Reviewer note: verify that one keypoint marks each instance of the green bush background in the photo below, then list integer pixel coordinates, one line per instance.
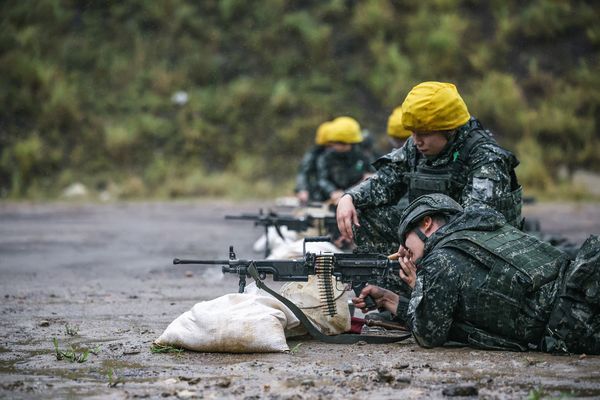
(86, 87)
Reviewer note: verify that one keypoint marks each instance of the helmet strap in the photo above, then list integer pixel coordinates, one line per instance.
(421, 235)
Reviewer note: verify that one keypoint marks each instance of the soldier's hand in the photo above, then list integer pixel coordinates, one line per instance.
(335, 196)
(402, 252)
(384, 299)
(302, 196)
(346, 216)
(408, 269)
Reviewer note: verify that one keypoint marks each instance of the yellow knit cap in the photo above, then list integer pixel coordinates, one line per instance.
(434, 106)
(394, 126)
(345, 130)
(321, 138)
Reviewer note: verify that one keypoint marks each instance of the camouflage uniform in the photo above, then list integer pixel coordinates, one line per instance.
(484, 283)
(306, 179)
(472, 168)
(340, 171)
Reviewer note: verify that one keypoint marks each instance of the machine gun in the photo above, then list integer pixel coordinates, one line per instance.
(325, 225)
(355, 269)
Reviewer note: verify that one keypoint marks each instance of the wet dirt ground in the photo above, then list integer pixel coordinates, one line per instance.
(100, 277)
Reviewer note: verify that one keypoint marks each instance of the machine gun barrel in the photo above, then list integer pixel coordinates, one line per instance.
(200, 262)
(356, 269)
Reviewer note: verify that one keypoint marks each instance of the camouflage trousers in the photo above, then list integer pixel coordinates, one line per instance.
(574, 325)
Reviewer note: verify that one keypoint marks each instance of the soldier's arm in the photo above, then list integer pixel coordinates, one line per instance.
(323, 180)
(307, 163)
(434, 299)
(385, 186)
(489, 179)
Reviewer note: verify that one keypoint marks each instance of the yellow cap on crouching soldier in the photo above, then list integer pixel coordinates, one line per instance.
(345, 130)
(394, 126)
(434, 106)
(322, 136)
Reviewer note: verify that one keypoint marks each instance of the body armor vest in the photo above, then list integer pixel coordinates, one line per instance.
(517, 265)
(450, 179)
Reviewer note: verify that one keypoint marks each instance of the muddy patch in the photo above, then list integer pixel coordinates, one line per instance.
(100, 277)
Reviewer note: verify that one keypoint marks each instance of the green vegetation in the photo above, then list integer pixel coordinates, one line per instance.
(165, 348)
(296, 348)
(88, 89)
(113, 379)
(73, 354)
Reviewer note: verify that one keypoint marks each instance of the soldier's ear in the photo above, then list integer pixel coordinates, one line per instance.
(427, 225)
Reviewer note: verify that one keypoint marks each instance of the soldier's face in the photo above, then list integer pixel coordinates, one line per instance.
(415, 245)
(341, 147)
(430, 143)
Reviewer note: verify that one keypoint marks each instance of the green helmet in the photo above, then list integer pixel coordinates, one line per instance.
(428, 204)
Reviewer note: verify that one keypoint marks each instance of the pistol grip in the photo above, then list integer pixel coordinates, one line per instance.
(370, 303)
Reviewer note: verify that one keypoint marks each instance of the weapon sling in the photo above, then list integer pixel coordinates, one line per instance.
(346, 338)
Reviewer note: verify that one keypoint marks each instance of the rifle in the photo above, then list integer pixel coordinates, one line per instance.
(354, 269)
(324, 224)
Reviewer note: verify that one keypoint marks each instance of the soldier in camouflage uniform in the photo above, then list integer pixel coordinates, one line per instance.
(307, 188)
(398, 136)
(479, 281)
(344, 164)
(449, 152)
(396, 132)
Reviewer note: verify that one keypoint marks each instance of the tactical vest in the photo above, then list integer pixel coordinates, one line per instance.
(451, 178)
(346, 169)
(517, 265)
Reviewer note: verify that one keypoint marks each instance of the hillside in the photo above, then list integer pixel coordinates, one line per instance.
(193, 98)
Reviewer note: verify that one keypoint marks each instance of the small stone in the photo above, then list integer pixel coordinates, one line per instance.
(131, 350)
(189, 274)
(347, 369)
(44, 323)
(185, 394)
(224, 383)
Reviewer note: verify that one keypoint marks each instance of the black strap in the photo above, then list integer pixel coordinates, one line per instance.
(345, 338)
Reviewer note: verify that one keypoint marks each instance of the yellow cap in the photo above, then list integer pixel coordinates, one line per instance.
(434, 106)
(394, 126)
(345, 130)
(321, 138)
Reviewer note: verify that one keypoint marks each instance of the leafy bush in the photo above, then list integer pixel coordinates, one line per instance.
(87, 88)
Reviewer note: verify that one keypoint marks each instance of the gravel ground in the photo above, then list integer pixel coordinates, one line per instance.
(99, 277)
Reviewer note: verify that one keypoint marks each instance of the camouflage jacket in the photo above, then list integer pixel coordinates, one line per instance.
(472, 168)
(484, 283)
(306, 178)
(340, 171)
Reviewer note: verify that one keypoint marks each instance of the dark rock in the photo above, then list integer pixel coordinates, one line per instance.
(460, 390)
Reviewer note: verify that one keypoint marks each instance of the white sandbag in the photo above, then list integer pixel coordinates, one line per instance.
(274, 238)
(234, 323)
(306, 295)
(293, 249)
